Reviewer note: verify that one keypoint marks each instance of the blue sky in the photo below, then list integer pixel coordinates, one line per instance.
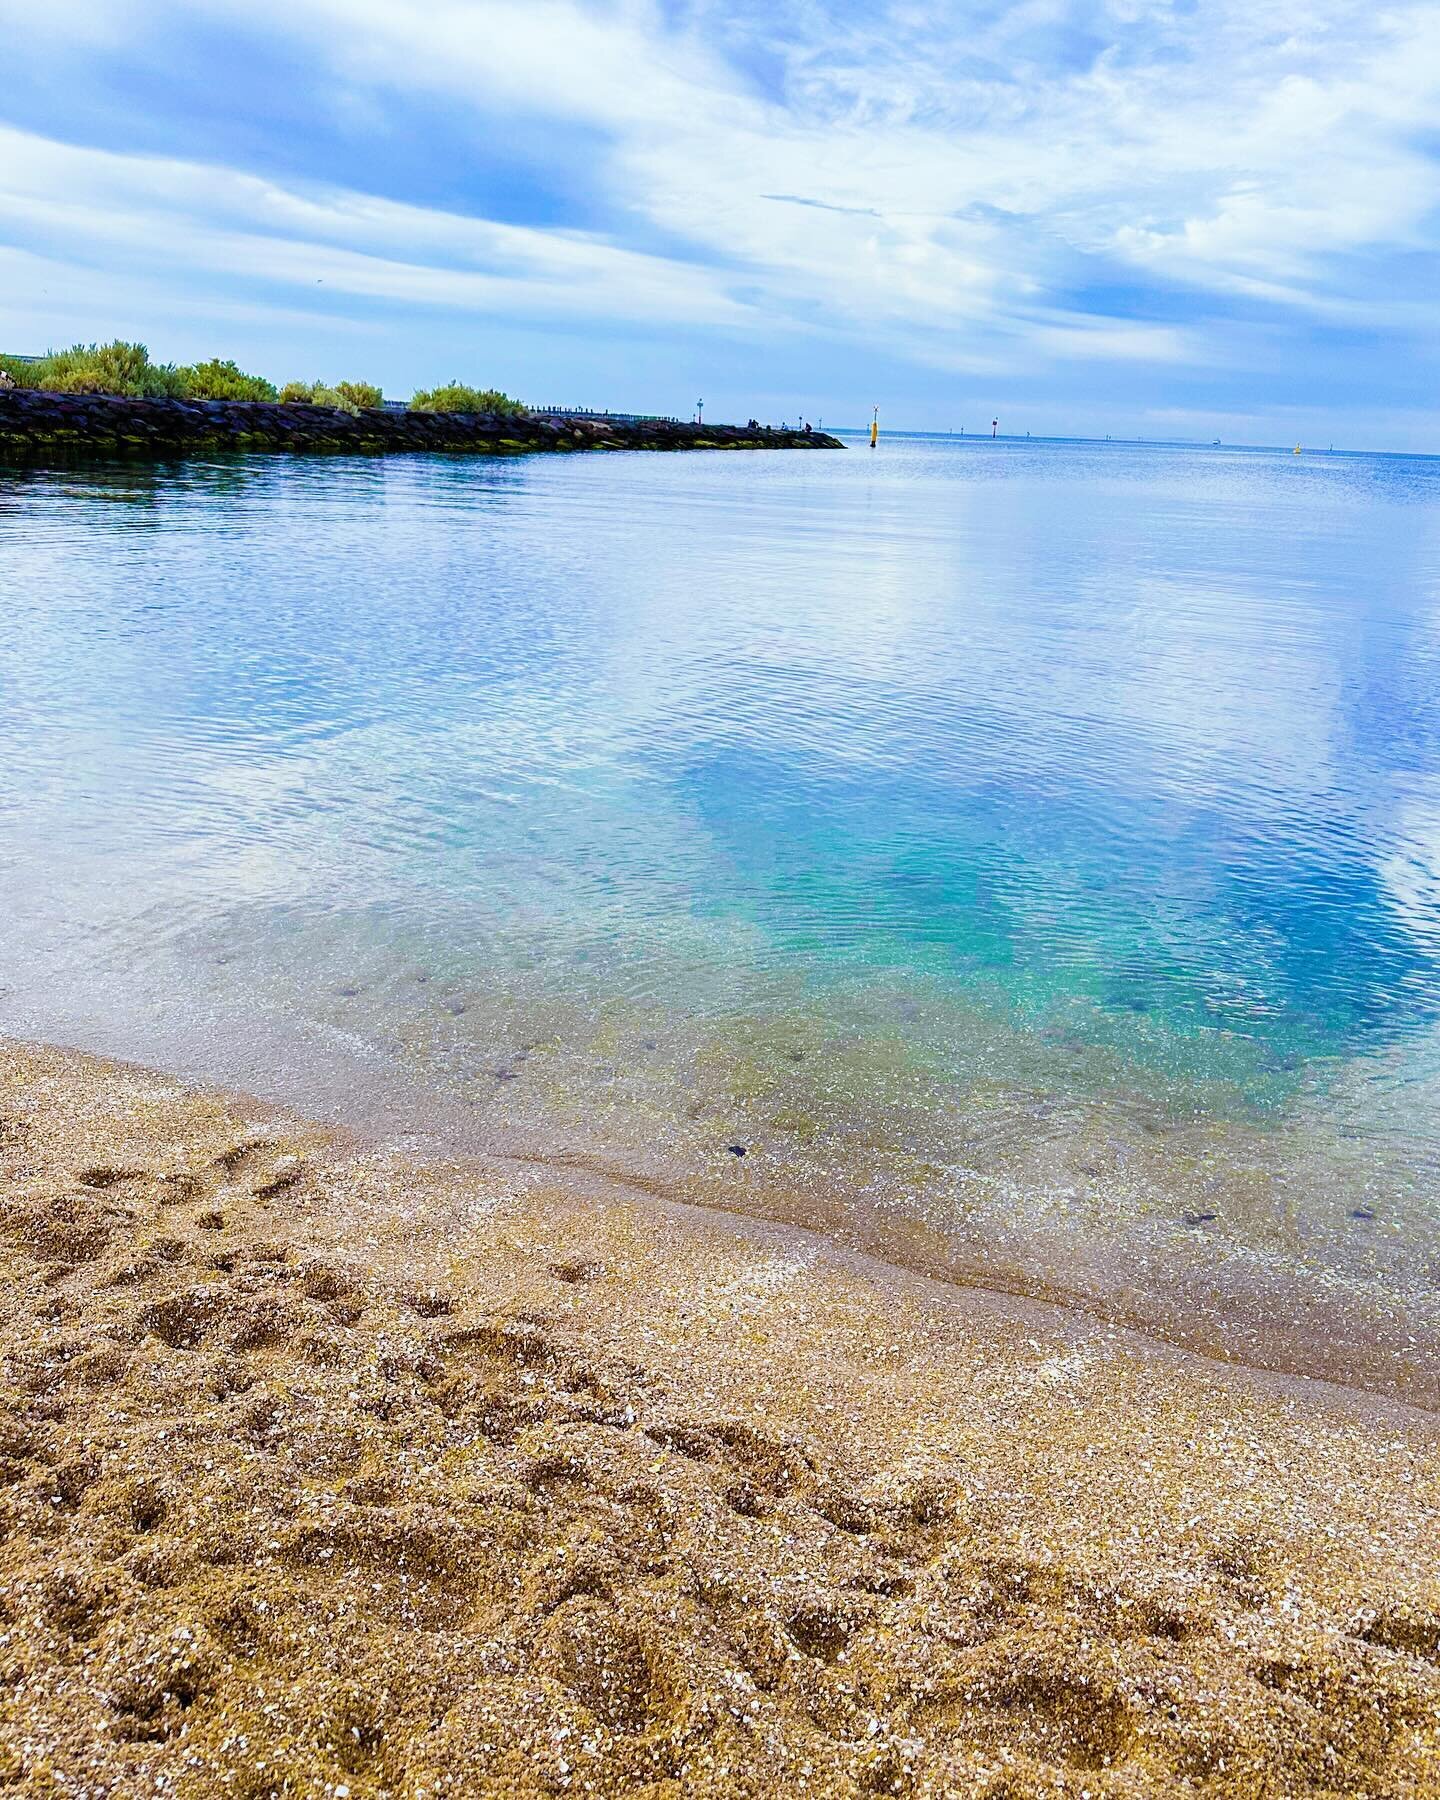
(1195, 218)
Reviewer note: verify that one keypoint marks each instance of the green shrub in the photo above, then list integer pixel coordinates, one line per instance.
(358, 396)
(117, 368)
(217, 380)
(455, 396)
(348, 396)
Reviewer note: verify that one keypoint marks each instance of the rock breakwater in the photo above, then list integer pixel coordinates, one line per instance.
(46, 428)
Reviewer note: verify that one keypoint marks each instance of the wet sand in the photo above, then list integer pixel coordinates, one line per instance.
(332, 1472)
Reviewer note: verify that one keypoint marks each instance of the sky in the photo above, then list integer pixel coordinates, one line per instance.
(1188, 218)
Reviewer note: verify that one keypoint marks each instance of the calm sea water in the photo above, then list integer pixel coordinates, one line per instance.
(1028, 853)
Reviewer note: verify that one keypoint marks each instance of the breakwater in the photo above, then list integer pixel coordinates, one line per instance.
(46, 428)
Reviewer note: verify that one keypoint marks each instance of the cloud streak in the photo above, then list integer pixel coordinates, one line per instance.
(1063, 185)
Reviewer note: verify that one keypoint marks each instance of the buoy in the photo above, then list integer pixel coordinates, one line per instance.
(1297, 449)
(875, 429)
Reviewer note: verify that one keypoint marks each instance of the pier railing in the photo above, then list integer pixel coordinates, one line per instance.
(617, 418)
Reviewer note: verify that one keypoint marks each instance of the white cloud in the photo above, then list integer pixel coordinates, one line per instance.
(153, 213)
(945, 178)
(1113, 340)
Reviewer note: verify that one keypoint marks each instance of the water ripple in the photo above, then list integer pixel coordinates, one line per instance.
(1064, 783)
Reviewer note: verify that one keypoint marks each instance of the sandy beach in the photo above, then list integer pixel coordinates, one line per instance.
(332, 1473)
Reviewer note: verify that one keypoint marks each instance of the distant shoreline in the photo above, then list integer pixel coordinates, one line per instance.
(38, 428)
(1038, 440)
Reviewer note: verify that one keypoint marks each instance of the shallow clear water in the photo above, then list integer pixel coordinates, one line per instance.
(1030, 853)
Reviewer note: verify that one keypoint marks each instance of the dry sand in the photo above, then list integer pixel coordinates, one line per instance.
(328, 1473)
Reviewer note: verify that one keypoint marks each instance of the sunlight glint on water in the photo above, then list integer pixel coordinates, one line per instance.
(1031, 854)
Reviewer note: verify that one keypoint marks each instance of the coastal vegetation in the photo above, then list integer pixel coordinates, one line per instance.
(217, 380)
(125, 369)
(116, 368)
(456, 396)
(345, 396)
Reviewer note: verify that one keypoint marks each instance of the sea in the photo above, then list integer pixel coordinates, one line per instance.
(1017, 861)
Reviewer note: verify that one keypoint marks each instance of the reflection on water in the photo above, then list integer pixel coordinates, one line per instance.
(1030, 854)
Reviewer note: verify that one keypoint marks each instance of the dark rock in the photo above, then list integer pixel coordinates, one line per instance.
(41, 428)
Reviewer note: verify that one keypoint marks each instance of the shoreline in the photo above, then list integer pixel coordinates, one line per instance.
(42, 429)
(428, 1136)
(419, 1484)
(1227, 1302)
